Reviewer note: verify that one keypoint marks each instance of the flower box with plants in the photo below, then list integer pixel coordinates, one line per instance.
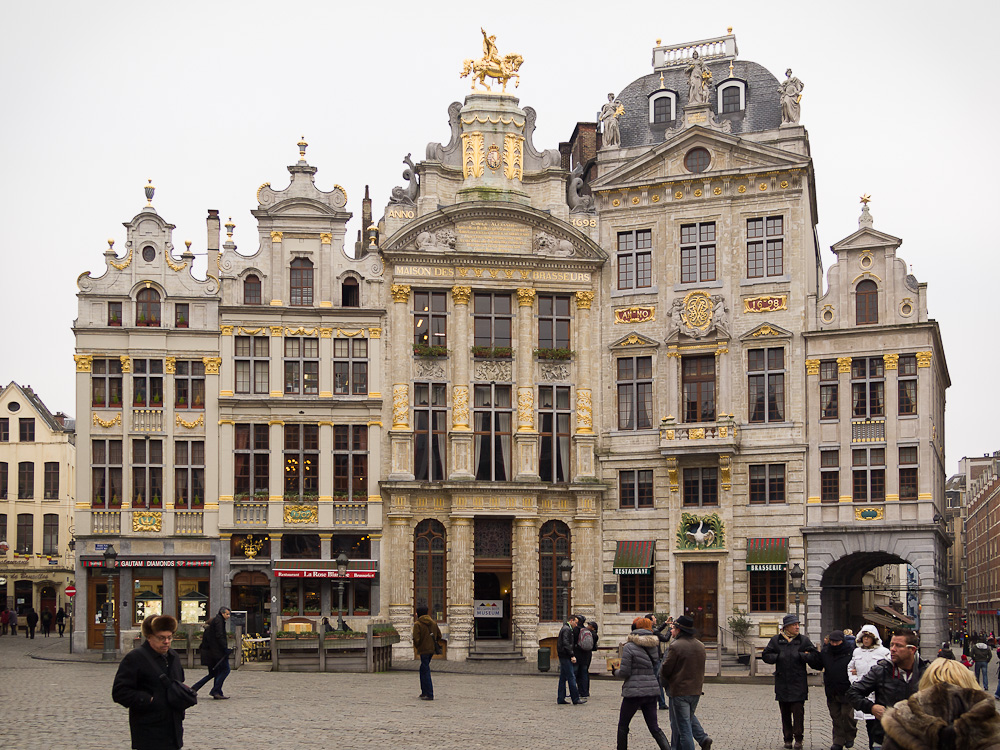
(286, 635)
(424, 350)
(492, 352)
(344, 635)
(554, 353)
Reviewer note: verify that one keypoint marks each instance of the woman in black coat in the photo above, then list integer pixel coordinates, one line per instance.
(787, 651)
(154, 724)
(215, 654)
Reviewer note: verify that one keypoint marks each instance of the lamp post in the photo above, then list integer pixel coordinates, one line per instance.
(109, 620)
(796, 586)
(566, 575)
(342, 561)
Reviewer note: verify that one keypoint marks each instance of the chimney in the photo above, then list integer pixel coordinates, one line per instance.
(60, 418)
(214, 230)
(366, 210)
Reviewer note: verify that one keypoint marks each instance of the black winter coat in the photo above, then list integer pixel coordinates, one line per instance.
(833, 661)
(138, 687)
(564, 646)
(789, 658)
(888, 688)
(214, 647)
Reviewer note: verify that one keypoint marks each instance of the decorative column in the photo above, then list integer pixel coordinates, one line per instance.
(395, 565)
(227, 384)
(326, 363)
(276, 370)
(461, 436)
(585, 354)
(524, 594)
(844, 394)
(889, 400)
(526, 436)
(461, 571)
(375, 358)
(812, 458)
(400, 436)
(276, 468)
(585, 554)
(326, 510)
(277, 269)
(925, 453)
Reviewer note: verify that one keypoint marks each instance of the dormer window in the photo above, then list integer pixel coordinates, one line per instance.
(662, 107)
(732, 96)
(251, 290)
(866, 296)
(301, 282)
(147, 311)
(350, 293)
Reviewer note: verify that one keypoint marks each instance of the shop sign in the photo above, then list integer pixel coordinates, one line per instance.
(324, 574)
(638, 314)
(761, 567)
(765, 303)
(488, 608)
(153, 562)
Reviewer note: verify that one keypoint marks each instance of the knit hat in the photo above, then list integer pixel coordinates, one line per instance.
(789, 620)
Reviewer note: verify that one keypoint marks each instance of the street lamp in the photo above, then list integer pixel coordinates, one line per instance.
(566, 575)
(342, 561)
(109, 620)
(797, 587)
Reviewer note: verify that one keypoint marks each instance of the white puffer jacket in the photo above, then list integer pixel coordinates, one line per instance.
(864, 659)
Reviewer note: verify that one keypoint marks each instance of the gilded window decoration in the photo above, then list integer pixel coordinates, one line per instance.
(147, 521)
(301, 513)
(107, 422)
(181, 422)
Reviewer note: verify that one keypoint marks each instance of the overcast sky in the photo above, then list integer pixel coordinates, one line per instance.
(208, 100)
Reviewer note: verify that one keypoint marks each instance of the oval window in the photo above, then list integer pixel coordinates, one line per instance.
(697, 160)
(14, 406)
(148, 253)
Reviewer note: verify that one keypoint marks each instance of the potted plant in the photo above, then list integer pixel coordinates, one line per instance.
(554, 353)
(740, 624)
(424, 350)
(286, 635)
(492, 352)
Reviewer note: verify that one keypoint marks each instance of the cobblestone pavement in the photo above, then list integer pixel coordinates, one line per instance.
(49, 703)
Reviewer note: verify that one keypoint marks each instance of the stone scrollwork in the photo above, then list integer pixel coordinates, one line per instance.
(460, 407)
(406, 196)
(147, 521)
(498, 370)
(430, 369)
(400, 406)
(584, 411)
(437, 152)
(525, 410)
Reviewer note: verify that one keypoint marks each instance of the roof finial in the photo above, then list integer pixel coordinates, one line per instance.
(302, 148)
(661, 81)
(230, 227)
(149, 190)
(730, 68)
(729, 30)
(865, 221)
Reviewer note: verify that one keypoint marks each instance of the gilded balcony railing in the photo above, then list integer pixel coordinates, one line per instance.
(350, 514)
(249, 513)
(189, 522)
(147, 420)
(105, 522)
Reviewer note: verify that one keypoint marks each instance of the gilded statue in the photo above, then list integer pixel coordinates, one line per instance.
(491, 65)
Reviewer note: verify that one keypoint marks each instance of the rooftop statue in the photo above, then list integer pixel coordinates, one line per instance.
(791, 95)
(610, 113)
(698, 79)
(491, 65)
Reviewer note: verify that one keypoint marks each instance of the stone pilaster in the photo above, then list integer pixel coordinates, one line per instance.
(376, 355)
(525, 435)
(586, 566)
(584, 355)
(461, 559)
(395, 564)
(524, 595)
(276, 370)
(227, 383)
(460, 437)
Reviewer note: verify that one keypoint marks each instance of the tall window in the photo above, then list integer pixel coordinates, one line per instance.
(636, 592)
(350, 366)
(492, 417)
(147, 383)
(635, 393)
(4, 479)
(147, 473)
(350, 462)
(553, 321)
(663, 110)
(554, 427)
(301, 282)
(701, 486)
(26, 428)
(491, 320)
(50, 534)
(25, 533)
(765, 246)
(866, 299)
(251, 454)
(429, 431)
(867, 387)
(4, 430)
(766, 384)
(25, 480)
(51, 488)
(301, 365)
(731, 99)
(301, 461)
(147, 308)
(829, 472)
(251, 290)
(115, 314)
(106, 473)
(189, 474)
(698, 252)
(106, 383)
(182, 315)
(350, 293)
(907, 383)
(189, 384)
(553, 548)
(768, 590)
(635, 255)
(3, 526)
(829, 390)
(698, 388)
(635, 488)
(767, 484)
(430, 319)
(908, 472)
(430, 570)
(252, 363)
(868, 467)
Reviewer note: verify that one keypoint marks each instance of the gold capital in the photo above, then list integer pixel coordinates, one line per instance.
(525, 297)
(276, 236)
(891, 361)
(844, 364)
(226, 330)
(812, 367)
(375, 333)
(584, 299)
(212, 365)
(461, 295)
(924, 359)
(170, 365)
(84, 362)
(400, 292)
(126, 363)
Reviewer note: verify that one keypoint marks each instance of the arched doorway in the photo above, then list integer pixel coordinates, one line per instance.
(877, 589)
(252, 594)
(47, 600)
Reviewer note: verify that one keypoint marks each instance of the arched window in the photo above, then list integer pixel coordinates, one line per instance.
(301, 282)
(867, 302)
(553, 548)
(731, 96)
(251, 290)
(350, 293)
(662, 106)
(147, 309)
(429, 568)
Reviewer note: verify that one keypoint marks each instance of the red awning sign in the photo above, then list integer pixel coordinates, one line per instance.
(324, 574)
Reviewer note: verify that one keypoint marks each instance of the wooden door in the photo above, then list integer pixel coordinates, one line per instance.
(97, 597)
(701, 598)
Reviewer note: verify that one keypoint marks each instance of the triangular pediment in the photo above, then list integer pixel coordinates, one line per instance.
(766, 331)
(634, 340)
(865, 238)
(730, 155)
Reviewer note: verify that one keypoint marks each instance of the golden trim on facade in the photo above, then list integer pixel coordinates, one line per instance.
(812, 367)
(126, 364)
(460, 408)
(325, 238)
(192, 424)
(525, 296)
(869, 514)
(374, 333)
(124, 264)
(301, 514)
(212, 365)
(400, 292)
(844, 365)
(84, 362)
(277, 236)
(117, 419)
(584, 411)
(584, 299)
(924, 359)
(147, 521)
(170, 365)
(474, 155)
(891, 361)
(460, 295)
(400, 406)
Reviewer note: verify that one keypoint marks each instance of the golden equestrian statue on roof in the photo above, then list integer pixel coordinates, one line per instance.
(491, 65)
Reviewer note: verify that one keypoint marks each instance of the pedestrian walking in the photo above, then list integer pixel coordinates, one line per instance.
(683, 671)
(426, 642)
(13, 622)
(982, 654)
(583, 650)
(867, 654)
(153, 722)
(891, 680)
(31, 620)
(833, 661)
(948, 711)
(215, 654)
(46, 622)
(4, 620)
(641, 688)
(567, 663)
(787, 651)
(61, 621)
(663, 638)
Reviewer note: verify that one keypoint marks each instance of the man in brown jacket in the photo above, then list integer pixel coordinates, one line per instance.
(426, 635)
(684, 671)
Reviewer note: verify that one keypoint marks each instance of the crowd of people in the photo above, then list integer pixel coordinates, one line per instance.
(29, 621)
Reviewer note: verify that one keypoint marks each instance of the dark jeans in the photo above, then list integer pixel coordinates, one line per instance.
(567, 675)
(62, 628)
(583, 674)
(792, 719)
(646, 704)
(661, 699)
(426, 687)
(29, 632)
(684, 724)
(875, 733)
(983, 674)
(219, 672)
(845, 726)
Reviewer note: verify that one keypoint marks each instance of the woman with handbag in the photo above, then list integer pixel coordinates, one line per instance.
(143, 685)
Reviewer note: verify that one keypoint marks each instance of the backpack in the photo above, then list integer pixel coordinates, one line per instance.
(586, 640)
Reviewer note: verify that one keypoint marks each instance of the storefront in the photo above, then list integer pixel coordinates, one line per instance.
(315, 588)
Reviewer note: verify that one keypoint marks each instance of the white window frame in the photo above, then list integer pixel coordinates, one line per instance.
(663, 95)
(725, 85)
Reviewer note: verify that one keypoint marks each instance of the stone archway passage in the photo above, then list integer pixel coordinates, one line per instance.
(847, 601)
